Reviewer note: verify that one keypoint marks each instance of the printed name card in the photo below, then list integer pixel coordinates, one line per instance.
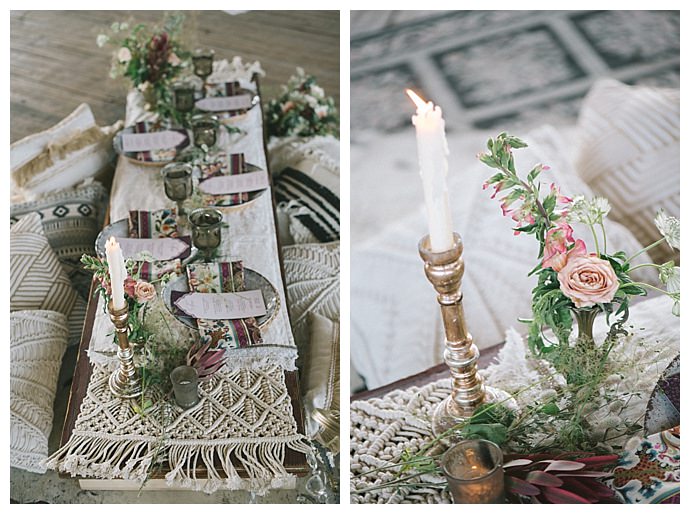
(229, 184)
(225, 103)
(244, 304)
(161, 249)
(151, 140)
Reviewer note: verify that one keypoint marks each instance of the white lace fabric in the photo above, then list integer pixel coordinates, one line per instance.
(382, 429)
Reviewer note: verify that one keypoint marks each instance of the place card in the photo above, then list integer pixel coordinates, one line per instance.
(224, 306)
(151, 140)
(160, 248)
(225, 103)
(230, 184)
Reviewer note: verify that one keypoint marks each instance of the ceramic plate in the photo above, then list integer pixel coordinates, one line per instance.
(663, 409)
(252, 280)
(158, 157)
(121, 229)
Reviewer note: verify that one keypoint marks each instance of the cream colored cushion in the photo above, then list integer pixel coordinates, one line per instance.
(37, 342)
(62, 156)
(322, 371)
(37, 280)
(629, 151)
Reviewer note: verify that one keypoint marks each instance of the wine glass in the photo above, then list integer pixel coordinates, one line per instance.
(206, 224)
(177, 181)
(202, 59)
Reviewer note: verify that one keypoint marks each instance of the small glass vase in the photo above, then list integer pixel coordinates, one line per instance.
(585, 316)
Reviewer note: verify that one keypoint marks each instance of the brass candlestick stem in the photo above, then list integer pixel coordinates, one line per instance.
(444, 270)
(125, 381)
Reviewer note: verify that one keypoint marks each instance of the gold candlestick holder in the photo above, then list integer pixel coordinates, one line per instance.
(445, 270)
(125, 381)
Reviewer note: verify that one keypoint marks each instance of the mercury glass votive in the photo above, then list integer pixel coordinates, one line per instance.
(185, 381)
(474, 469)
(177, 181)
(206, 227)
(205, 130)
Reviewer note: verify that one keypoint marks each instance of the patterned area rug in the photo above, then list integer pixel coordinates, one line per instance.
(502, 68)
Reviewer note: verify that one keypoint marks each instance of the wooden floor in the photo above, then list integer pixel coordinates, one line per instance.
(55, 63)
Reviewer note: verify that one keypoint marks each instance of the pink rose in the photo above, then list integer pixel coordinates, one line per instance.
(130, 285)
(587, 279)
(144, 291)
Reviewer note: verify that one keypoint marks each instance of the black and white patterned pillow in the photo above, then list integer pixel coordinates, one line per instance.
(313, 205)
(71, 219)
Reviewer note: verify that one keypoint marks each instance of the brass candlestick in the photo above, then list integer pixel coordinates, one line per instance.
(444, 270)
(125, 381)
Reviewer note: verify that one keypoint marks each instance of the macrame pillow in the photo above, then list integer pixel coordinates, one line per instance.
(322, 377)
(71, 219)
(312, 278)
(629, 151)
(62, 156)
(37, 281)
(308, 187)
(37, 342)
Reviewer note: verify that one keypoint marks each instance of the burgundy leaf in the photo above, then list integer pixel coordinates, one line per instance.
(557, 495)
(593, 474)
(518, 486)
(541, 478)
(599, 488)
(579, 487)
(599, 460)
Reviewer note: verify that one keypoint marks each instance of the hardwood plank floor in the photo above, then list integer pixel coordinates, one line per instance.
(55, 64)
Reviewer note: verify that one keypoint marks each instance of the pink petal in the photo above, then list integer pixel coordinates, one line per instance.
(563, 465)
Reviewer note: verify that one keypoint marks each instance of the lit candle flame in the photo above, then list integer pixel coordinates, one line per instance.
(422, 106)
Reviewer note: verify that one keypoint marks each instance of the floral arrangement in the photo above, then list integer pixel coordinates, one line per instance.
(302, 110)
(150, 57)
(572, 278)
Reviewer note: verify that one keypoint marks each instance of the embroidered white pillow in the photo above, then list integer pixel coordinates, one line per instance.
(38, 340)
(629, 151)
(62, 156)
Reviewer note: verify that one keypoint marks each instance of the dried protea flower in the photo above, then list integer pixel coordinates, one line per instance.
(205, 359)
(559, 478)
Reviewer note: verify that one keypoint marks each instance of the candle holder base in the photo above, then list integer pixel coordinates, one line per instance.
(448, 414)
(122, 387)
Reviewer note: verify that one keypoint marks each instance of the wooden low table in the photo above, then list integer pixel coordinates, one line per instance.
(295, 462)
(424, 377)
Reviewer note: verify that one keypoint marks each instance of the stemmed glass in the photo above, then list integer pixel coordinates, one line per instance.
(206, 226)
(177, 181)
(202, 59)
(183, 99)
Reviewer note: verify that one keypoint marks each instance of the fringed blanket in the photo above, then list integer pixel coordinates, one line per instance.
(244, 419)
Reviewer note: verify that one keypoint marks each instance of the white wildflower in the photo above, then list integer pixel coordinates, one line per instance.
(313, 102)
(124, 55)
(124, 25)
(101, 40)
(669, 275)
(669, 227)
(317, 91)
(589, 212)
(115, 27)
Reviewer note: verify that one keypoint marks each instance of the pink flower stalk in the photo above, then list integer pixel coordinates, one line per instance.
(559, 197)
(556, 259)
(497, 188)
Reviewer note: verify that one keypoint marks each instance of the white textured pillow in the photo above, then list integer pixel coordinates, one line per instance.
(322, 377)
(37, 342)
(62, 156)
(396, 328)
(312, 278)
(629, 151)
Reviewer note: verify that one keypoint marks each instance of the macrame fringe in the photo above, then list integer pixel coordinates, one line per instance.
(262, 461)
(130, 459)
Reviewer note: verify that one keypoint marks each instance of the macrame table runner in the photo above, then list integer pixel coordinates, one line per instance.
(383, 429)
(244, 416)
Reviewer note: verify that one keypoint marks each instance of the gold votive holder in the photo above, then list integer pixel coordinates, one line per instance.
(177, 182)
(124, 381)
(445, 270)
(474, 469)
(202, 60)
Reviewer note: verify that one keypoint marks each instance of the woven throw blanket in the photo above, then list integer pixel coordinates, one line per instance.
(244, 416)
(382, 429)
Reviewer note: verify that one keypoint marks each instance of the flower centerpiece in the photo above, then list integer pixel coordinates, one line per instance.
(573, 280)
(151, 57)
(303, 109)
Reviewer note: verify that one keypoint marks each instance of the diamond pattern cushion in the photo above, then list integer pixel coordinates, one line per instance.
(37, 342)
(629, 151)
(37, 281)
